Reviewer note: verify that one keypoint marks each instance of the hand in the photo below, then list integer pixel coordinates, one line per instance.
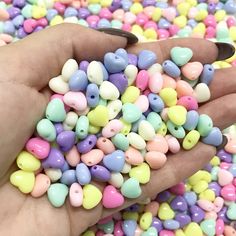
(25, 69)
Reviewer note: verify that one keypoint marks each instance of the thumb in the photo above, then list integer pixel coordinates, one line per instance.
(40, 56)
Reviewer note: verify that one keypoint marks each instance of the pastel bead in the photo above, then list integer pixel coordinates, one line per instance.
(175, 130)
(105, 145)
(205, 125)
(155, 159)
(133, 156)
(46, 130)
(76, 100)
(95, 72)
(100, 173)
(202, 92)
(116, 179)
(131, 188)
(165, 212)
(78, 81)
(92, 157)
(177, 114)
(114, 161)
(55, 159)
(136, 141)
(114, 63)
(70, 121)
(189, 102)
(92, 95)
(55, 110)
(213, 138)
(145, 220)
(156, 102)
(130, 95)
(76, 195)
(171, 69)
(114, 107)
(207, 74)
(131, 112)
(131, 72)
(193, 227)
(69, 69)
(173, 144)
(155, 82)
(169, 96)
(146, 59)
(180, 55)
(146, 131)
(111, 197)
(142, 103)
(191, 139)
(129, 227)
(98, 116)
(141, 173)
(42, 183)
(83, 174)
(158, 144)
(121, 141)
(82, 127)
(66, 140)
(142, 80)
(91, 196)
(155, 120)
(53, 174)
(191, 120)
(73, 157)
(57, 194)
(108, 91)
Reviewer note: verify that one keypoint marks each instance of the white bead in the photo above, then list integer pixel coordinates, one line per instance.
(202, 93)
(146, 131)
(109, 91)
(136, 141)
(58, 85)
(70, 121)
(131, 72)
(53, 174)
(95, 73)
(114, 107)
(154, 69)
(69, 68)
(116, 179)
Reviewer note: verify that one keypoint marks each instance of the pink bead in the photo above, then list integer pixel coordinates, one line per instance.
(169, 13)
(76, 100)
(231, 146)
(92, 157)
(99, 233)
(129, 18)
(206, 205)
(83, 112)
(189, 102)
(152, 207)
(219, 203)
(66, 1)
(126, 27)
(148, 11)
(234, 182)
(155, 159)
(2, 43)
(105, 145)
(210, 21)
(224, 177)
(165, 232)
(178, 189)
(228, 192)
(155, 82)
(210, 215)
(141, 81)
(176, 2)
(173, 30)
(42, 183)
(84, 3)
(142, 103)
(150, 25)
(192, 70)
(164, 114)
(73, 157)
(112, 128)
(76, 195)
(111, 197)
(225, 165)
(192, 12)
(105, 13)
(210, 32)
(4, 15)
(141, 19)
(138, 231)
(105, 220)
(92, 20)
(133, 156)
(42, 22)
(183, 88)
(77, 4)
(231, 22)
(59, 7)
(38, 147)
(118, 14)
(168, 82)
(146, 92)
(158, 144)
(29, 25)
(220, 225)
(234, 63)
(7, 1)
(118, 229)
(173, 143)
(163, 34)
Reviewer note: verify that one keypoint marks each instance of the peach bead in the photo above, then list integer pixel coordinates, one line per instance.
(164, 114)
(152, 207)
(4, 15)
(229, 231)
(183, 88)
(76, 195)
(118, 14)
(6, 38)
(219, 203)
(129, 18)
(84, 112)
(112, 128)
(231, 146)
(158, 144)
(173, 143)
(2, 43)
(210, 215)
(155, 159)
(148, 11)
(192, 70)
(105, 145)
(168, 82)
(73, 157)
(42, 183)
(133, 156)
(92, 157)
(138, 231)
(142, 103)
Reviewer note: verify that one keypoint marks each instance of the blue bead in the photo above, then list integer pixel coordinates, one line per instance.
(70, 11)
(104, 23)
(92, 95)
(232, 170)
(122, 53)
(219, 6)
(192, 23)
(114, 63)
(51, 13)
(78, 81)
(104, 72)
(83, 174)
(191, 120)
(171, 68)
(68, 177)
(126, 4)
(18, 21)
(191, 198)
(171, 224)
(163, 24)
(135, 125)
(129, 227)
(162, 4)
(146, 59)
(65, 167)
(230, 7)
(8, 28)
(155, 102)
(207, 74)
(214, 138)
(114, 161)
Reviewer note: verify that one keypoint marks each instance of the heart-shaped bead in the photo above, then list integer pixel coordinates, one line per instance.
(192, 70)
(120, 81)
(146, 130)
(91, 196)
(202, 92)
(183, 219)
(141, 173)
(165, 212)
(53, 174)
(131, 112)
(46, 130)
(155, 159)
(109, 91)
(66, 140)
(55, 110)
(178, 189)
(231, 146)
(224, 177)
(169, 13)
(146, 59)
(114, 63)
(76, 100)
(95, 72)
(197, 214)
(214, 138)
(129, 227)
(208, 227)
(42, 183)
(111, 197)
(158, 144)
(99, 116)
(131, 188)
(115, 161)
(150, 232)
(55, 159)
(177, 114)
(228, 192)
(58, 85)
(231, 212)
(179, 204)
(193, 229)
(180, 56)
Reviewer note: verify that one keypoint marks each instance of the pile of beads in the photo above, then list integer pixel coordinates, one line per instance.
(204, 205)
(118, 117)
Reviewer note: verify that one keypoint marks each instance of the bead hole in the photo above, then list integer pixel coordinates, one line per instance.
(176, 128)
(90, 142)
(92, 97)
(104, 140)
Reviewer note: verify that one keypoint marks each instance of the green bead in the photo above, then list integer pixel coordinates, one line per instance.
(88, 233)
(175, 130)
(150, 232)
(57, 194)
(108, 228)
(222, 33)
(126, 127)
(94, 129)
(83, 22)
(46, 130)
(131, 188)
(231, 212)
(82, 127)
(183, 33)
(191, 139)
(155, 120)
(3, 5)
(121, 142)
(204, 125)
(180, 56)
(234, 158)
(145, 220)
(26, 11)
(214, 172)
(55, 110)
(102, 102)
(131, 112)
(202, 6)
(33, 2)
(208, 227)
(116, 24)
(94, 8)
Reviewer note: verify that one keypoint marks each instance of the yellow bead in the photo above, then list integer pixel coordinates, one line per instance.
(130, 95)
(169, 96)
(216, 65)
(195, 177)
(94, 129)
(225, 64)
(141, 173)
(191, 139)
(192, 3)
(88, 233)
(215, 161)
(136, 8)
(150, 34)
(188, 187)
(163, 129)
(56, 20)
(208, 194)
(220, 15)
(156, 14)
(201, 15)
(91, 196)
(126, 127)
(193, 229)
(200, 186)
(38, 12)
(93, 1)
(180, 21)
(179, 232)
(165, 212)
(130, 215)
(145, 220)
(137, 30)
(183, 8)
(106, 3)
(200, 28)
(206, 176)
(232, 32)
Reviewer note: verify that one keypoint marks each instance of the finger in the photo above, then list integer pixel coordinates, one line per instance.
(40, 56)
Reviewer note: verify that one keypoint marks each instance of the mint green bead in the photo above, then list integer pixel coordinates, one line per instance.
(3, 5)
(234, 158)
(131, 188)
(94, 8)
(202, 6)
(184, 33)
(121, 142)
(208, 227)
(150, 232)
(231, 212)
(176, 130)
(46, 130)
(83, 22)
(116, 24)
(55, 110)
(214, 172)
(205, 125)
(108, 228)
(82, 127)
(1, 27)
(131, 112)
(222, 33)
(102, 102)
(33, 2)
(27, 11)
(155, 120)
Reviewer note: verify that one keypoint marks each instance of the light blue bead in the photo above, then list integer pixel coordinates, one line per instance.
(155, 102)
(104, 72)
(78, 81)
(135, 125)
(232, 170)
(234, 158)
(214, 173)
(163, 24)
(230, 7)
(146, 59)
(83, 23)
(129, 227)
(114, 161)
(175, 130)
(94, 8)
(8, 28)
(192, 23)
(214, 138)
(114, 63)
(68, 177)
(171, 68)
(83, 174)
(122, 53)
(65, 167)
(191, 120)
(219, 6)
(162, 5)
(202, 6)
(120, 141)
(70, 11)
(207, 74)
(82, 127)
(51, 13)
(155, 120)
(18, 21)
(191, 198)
(126, 4)
(171, 224)
(92, 95)
(104, 23)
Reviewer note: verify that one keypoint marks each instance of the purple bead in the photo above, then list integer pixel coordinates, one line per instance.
(163, 196)
(197, 214)
(66, 140)
(8, 28)
(224, 156)
(179, 204)
(65, 166)
(215, 187)
(201, 1)
(87, 144)
(120, 81)
(100, 173)
(38, 28)
(222, 215)
(211, 8)
(208, 167)
(83, 65)
(55, 159)
(20, 33)
(19, 3)
(59, 128)
(133, 208)
(157, 224)
(183, 219)
(13, 12)
(83, 13)
(18, 21)
(116, 4)
(147, 3)
(132, 59)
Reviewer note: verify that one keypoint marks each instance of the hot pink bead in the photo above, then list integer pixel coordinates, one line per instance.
(59, 7)
(234, 182)
(111, 197)
(163, 34)
(178, 189)
(118, 14)
(105, 220)
(210, 21)
(42, 22)
(126, 27)
(67, 108)
(148, 11)
(7, 1)
(231, 21)
(105, 13)
(189, 102)
(220, 225)
(129, 18)
(92, 20)
(146, 92)
(165, 232)
(173, 30)
(225, 165)
(99, 233)
(29, 25)
(141, 19)
(38, 147)
(228, 192)
(150, 25)
(141, 81)
(118, 229)
(210, 32)
(142, 103)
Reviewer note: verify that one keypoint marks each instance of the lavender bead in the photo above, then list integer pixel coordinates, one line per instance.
(13, 12)
(87, 144)
(18, 21)
(83, 65)
(183, 219)
(211, 8)
(59, 128)
(222, 215)
(120, 81)
(83, 13)
(19, 3)
(51, 13)
(197, 214)
(100, 173)
(66, 140)
(179, 204)
(147, 3)
(70, 11)
(116, 4)
(191, 198)
(215, 187)
(133, 208)
(68, 177)
(224, 156)
(208, 167)
(55, 159)
(157, 224)
(38, 28)
(65, 167)
(20, 33)
(8, 28)
(132, 59)
(163, 196)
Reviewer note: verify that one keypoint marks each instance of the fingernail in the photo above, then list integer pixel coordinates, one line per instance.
(131, 38)
(225, 50)
(222, 145)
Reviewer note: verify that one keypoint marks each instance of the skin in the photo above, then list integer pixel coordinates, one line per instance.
(25, 69)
